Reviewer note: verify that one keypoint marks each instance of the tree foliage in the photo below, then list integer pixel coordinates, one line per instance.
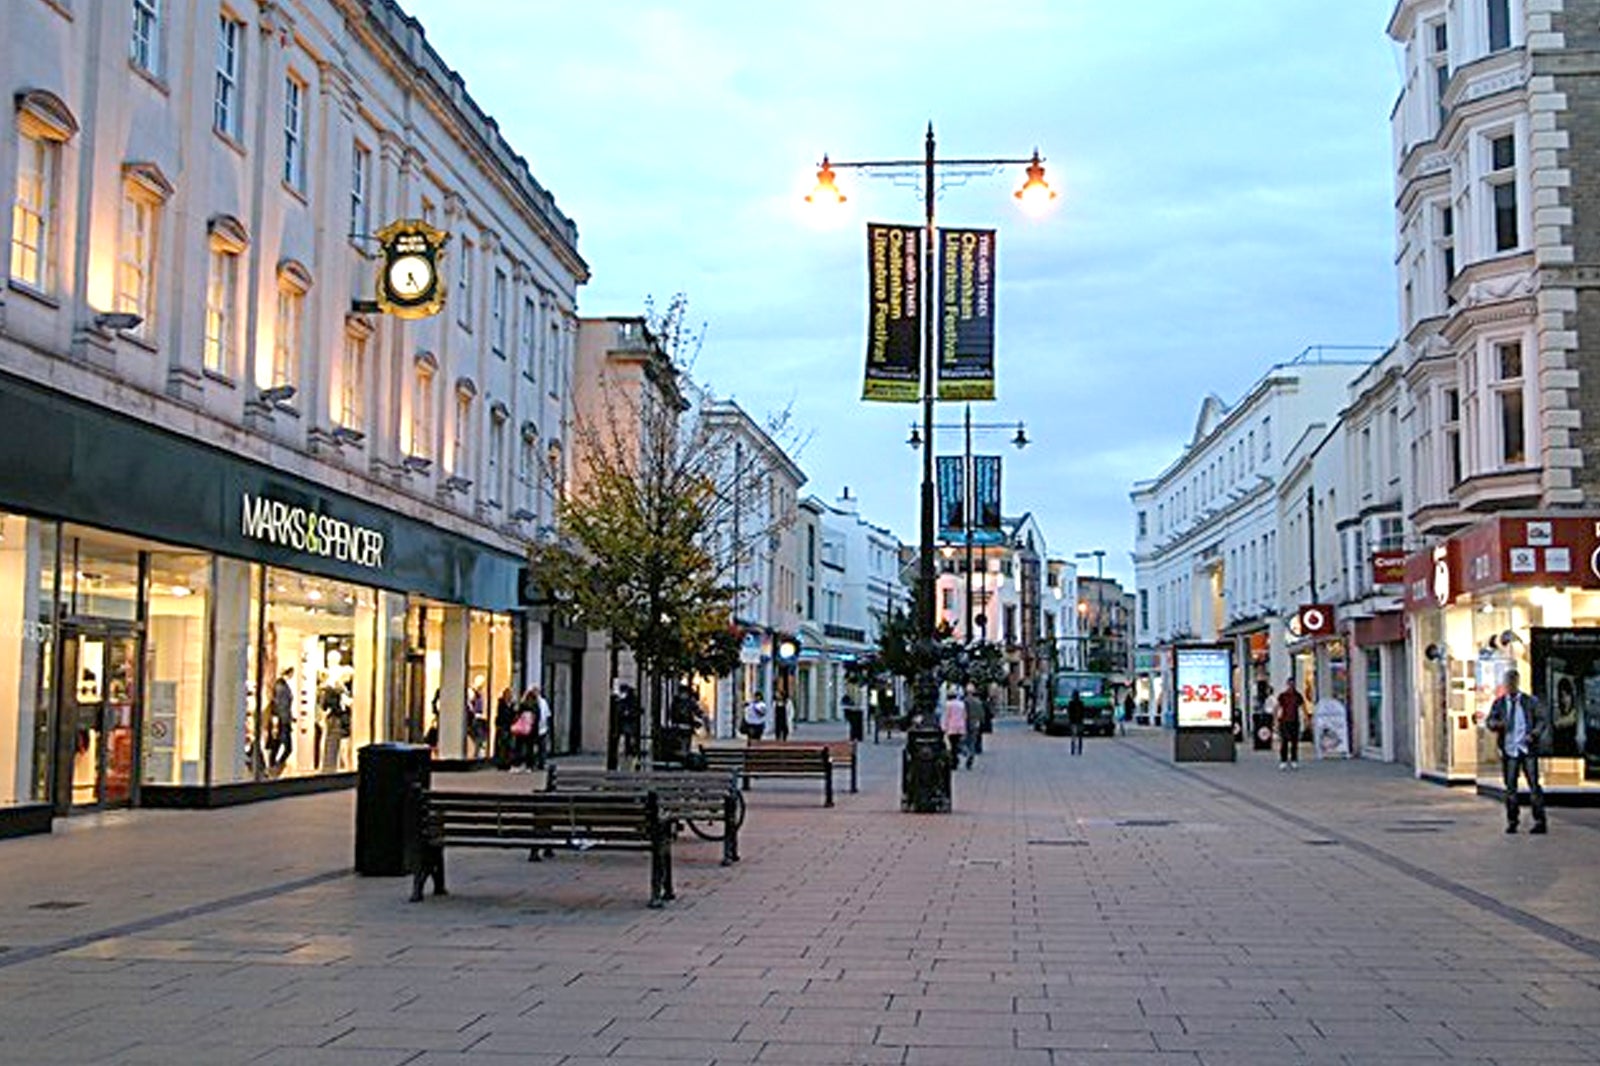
(645, 547)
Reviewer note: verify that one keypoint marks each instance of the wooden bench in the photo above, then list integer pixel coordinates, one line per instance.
(790, 760)
(685, 797)
(581, 821)
(842, 752)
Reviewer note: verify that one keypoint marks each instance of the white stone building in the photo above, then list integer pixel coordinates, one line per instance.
(852, 583)
(765, 482)
(1496, 151)
(187, 328)
(1207, 528)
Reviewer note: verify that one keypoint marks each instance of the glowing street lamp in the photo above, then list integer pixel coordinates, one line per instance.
(827, 194)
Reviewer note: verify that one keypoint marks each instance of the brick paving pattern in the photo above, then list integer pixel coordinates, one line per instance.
(1114, 909)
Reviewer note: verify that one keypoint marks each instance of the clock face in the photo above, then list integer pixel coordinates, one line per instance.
(410, 276)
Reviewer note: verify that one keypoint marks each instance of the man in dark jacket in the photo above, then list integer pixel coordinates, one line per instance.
(1076, 711)
(1521, 730)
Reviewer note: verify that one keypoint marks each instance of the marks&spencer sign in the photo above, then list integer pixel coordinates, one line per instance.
(311, 532)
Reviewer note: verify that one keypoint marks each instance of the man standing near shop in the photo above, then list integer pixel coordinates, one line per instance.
(1291, 706)
(1522, 732)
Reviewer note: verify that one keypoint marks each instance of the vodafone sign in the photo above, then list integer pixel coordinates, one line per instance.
(1313, 620)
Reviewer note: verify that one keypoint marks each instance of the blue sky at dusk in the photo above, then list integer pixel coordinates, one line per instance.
(1226, 201)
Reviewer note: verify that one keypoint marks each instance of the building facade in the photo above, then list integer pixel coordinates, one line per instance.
(1207, 529)
(255, 524)
(1497, 147)
(762, 545)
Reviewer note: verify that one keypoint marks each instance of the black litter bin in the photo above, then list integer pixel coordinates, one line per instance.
(386, 805)
(925, 772)
(1261, 731)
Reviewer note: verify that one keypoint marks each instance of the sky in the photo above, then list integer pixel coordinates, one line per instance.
(1226, 201)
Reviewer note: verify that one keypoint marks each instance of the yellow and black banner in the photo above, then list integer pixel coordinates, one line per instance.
(966, 314)
(894, 313)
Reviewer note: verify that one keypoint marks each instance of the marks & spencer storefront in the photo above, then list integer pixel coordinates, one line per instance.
(1517, 591)
(183, 627)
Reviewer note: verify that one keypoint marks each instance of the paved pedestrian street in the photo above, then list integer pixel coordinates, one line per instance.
(1110, 909)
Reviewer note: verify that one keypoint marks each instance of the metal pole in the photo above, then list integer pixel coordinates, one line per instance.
(926, 693)
(1311, 540)
(969, 503)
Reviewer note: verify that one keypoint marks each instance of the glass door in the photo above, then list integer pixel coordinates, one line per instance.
(98, 717)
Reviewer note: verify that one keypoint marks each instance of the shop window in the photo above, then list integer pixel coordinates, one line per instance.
(177, 592)
(27, 626)
(144, 191)
(43, 124)
(1374, 672)
(318, 670)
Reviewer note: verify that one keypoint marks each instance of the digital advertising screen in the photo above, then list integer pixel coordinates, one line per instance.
(1204, 688)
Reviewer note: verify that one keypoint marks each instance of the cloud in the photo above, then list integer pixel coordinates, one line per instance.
(1226, 200)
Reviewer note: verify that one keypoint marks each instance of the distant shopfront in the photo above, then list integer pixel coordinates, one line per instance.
(1517, 591)
(181, 626)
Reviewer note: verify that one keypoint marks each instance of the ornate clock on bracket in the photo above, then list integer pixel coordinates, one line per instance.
(409, 283)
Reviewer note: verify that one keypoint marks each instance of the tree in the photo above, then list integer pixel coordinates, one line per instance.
(644, 549)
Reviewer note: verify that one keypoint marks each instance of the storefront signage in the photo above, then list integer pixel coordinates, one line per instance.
(1312, 620)
(1204, 687)
(1388, 567)
(305, 530)
(409, 285)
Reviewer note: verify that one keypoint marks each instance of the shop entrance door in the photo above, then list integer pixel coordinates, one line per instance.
(99, 708)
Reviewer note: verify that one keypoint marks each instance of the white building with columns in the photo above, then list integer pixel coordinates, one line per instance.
(187, 322)
(1208, 533)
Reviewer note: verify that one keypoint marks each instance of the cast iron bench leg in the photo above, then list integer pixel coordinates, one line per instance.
(730, 834)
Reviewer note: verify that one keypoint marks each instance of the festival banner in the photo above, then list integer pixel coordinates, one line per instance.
(986, 500)
(952, 500)
(894, 313)
(966, 314)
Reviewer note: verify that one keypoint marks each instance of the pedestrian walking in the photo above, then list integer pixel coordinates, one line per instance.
(954, 721)
(974, 724)
(780, 718)
(1522, 731)
(1076, 712)
(755, 719)
(543, 727)
(524, 728)
(505, 713)
(1291, 706)
(1127, 713)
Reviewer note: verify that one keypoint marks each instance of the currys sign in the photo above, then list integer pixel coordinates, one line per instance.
(307, 530)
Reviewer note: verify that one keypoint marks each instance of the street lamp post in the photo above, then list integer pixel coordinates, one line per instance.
(1034, 192)
(969, 495)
